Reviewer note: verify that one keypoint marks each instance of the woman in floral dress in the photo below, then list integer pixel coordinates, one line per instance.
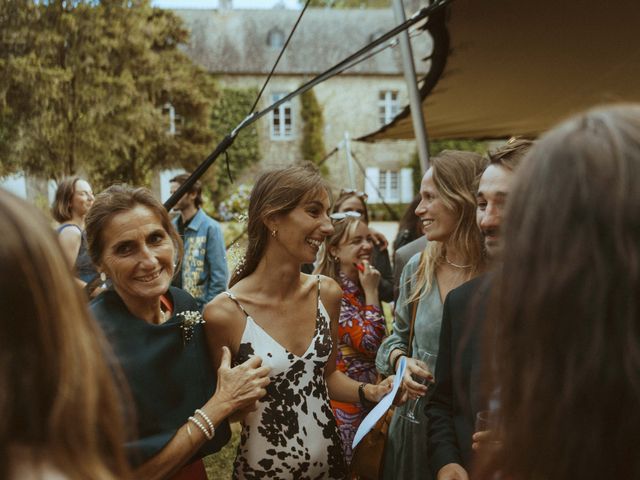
(345, 256)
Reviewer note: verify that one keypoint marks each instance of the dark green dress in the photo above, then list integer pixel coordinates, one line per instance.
(167, 367)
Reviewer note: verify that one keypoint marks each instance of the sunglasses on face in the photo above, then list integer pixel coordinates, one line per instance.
(336, 217)
(352, 191)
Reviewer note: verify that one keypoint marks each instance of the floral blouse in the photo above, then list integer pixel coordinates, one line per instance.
(361, 329)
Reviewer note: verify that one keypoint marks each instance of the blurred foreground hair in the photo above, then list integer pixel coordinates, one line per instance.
(58, 402)
(568, 306)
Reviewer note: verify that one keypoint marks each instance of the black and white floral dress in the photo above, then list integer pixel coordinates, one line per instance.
(293, 433)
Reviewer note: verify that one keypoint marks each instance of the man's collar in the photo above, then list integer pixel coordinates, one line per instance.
(196, 220)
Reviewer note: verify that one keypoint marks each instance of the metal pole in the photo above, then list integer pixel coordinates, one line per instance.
(409, 68)
(347, 151)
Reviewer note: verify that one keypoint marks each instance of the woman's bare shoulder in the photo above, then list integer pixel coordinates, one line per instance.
(330, 290)
(222, 311)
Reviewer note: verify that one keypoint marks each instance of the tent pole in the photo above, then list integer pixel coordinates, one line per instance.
(409, 68)
(347, 151)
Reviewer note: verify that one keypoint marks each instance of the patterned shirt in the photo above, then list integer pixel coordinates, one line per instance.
(361, 328)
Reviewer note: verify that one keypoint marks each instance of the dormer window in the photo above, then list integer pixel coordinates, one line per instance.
(275, 38)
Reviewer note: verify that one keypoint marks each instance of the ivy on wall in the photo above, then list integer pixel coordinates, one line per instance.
(232, 107)
(312, 145)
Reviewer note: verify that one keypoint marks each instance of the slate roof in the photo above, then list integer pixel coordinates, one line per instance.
(235, 41)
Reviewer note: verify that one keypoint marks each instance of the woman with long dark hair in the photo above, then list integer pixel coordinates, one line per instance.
(290, 320)
(567, 316)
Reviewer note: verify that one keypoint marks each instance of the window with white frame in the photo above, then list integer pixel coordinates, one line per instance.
(174, 121)
(388, 105)
(390, 186)
(281, 119)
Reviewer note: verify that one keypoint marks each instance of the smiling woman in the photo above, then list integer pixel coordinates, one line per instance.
(453, 256)
(156, 332)
(138, 257)
(346, 257)
(290, 320)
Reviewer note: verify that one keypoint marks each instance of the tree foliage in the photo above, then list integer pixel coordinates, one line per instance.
(231, 108)
(349, 3)
(83, 88)
(312, 145)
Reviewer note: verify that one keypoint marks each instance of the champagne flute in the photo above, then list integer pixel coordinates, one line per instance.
(429, 361)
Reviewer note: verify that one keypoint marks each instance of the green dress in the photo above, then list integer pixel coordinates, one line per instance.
(167, 368)
(406, 448)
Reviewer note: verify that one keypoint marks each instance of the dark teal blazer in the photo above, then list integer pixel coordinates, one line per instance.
(169, 372)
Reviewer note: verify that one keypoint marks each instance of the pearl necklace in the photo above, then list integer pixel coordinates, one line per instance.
(446, 259)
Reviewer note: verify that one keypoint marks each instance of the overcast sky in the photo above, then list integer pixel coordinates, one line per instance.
(214, 3)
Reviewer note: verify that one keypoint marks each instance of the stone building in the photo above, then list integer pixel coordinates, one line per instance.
(241, 46)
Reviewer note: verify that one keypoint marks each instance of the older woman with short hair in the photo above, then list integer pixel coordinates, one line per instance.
(157, 334)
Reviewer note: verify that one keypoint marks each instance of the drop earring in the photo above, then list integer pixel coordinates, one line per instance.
(274, 233)
(103, 277)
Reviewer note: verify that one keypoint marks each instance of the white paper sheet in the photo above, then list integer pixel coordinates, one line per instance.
(381, 408)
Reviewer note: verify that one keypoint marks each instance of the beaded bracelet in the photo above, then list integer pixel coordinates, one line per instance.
(363, 400)
(395, 361)
(198, 424)
(208, 420)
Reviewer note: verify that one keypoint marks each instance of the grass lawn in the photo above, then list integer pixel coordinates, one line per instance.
(219, 466)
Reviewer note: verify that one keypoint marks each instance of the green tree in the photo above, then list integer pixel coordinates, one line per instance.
(312, 145)
(232, 107)
(349, 3)
(84, 85)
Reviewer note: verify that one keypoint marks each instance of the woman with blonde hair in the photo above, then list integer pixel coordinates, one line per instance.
(351, 200)
(61, 417)
(345, 256)
(453, 256)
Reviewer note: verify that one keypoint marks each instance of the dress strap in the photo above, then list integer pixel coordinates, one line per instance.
(318, 299)
(235, 300)
(65, 225)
